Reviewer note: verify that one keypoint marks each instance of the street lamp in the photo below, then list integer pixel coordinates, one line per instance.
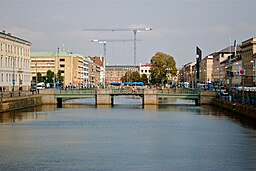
(13, 76)
(36, 75)
(253, 71)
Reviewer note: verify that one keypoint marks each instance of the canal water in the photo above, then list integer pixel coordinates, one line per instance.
(175, 135)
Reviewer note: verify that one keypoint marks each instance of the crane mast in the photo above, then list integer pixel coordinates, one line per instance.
(135, 30)
(104, 42)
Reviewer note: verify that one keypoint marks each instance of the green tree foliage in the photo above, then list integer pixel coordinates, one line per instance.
(60, 78)
(131, 77)
(39, 77)
(135, 77)
(126, 77)
(163, 65)
(144, 78)
(49, 76)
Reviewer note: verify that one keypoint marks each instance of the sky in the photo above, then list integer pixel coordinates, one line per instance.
(178, 26)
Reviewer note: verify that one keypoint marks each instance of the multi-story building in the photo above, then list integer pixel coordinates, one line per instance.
(98, 77)
(145, 69)
(71, 66)
(187, 74)
(206, 69)
(218, 68)
(236, 64)
(115, 73)
(14, 62)
(248, 50)
(254, 69)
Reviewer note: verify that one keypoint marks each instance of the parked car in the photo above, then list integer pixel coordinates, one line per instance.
(222, 92)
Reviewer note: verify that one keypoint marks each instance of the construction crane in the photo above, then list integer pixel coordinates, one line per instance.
(135, 30)
(104, 42)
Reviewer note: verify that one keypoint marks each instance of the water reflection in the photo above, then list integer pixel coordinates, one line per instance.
(126, 137)
(26, 114)
(222, 113)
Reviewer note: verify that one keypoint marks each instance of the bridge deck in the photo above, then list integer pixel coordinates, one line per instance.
(165, 93)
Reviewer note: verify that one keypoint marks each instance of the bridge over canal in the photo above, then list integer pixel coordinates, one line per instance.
(106, 96)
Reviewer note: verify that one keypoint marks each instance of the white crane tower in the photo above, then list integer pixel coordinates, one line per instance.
(104, 42)
(135, 30)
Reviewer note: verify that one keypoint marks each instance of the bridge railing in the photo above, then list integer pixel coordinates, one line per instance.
(127, 91)
(178, 91)
(75, 91)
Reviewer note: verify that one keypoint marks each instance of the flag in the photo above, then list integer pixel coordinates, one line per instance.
(241, 71)
(235, 43)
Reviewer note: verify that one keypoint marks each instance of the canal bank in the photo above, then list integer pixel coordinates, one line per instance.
(15, 103)
(248, 111)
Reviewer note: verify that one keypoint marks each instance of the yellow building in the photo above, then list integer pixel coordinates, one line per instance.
(73, 67)
(14, 62)
(206, 69)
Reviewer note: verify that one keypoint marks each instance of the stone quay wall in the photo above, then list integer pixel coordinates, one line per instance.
(15, 103)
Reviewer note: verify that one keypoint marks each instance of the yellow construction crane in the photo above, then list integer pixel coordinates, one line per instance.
(135, 30)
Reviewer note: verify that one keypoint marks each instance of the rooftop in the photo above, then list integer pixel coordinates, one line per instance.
(2, 33)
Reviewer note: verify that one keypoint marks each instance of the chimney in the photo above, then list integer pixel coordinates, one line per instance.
(9, 34)
(3, 31)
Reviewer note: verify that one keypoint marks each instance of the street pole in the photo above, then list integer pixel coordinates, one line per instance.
(36, 76)
(253, 72)
(135, 32)
(13, 76)
(104, 63)
(243, 90)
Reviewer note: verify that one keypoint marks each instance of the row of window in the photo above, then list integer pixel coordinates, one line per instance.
(14, 49)
(11, 62)
(9, 77)
(145, 71)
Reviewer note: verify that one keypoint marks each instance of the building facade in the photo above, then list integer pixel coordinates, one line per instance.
(71, 66)
(248, 50)
(98, 72)
(206, 66)
(115, 73)
(219, 68)
(14, 62)
(145, 69)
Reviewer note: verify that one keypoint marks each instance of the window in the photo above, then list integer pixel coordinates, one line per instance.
(62, 59)
(62, 65)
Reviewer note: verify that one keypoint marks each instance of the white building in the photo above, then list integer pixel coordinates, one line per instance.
(14, 62)
(145, 69)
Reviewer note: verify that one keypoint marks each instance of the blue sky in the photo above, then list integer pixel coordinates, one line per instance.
(178, 26)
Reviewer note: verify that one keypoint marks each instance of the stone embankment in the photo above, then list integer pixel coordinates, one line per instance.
(15, 103)
(248, 111)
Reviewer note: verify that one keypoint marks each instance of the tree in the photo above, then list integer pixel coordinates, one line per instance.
(144, 78)
(59, 77)
(131, 77)
(163, 65)
(135, 76)
(126, 77)
(39, 77)
(49, 76)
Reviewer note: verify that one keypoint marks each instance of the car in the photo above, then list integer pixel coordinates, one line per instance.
(222, 92)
